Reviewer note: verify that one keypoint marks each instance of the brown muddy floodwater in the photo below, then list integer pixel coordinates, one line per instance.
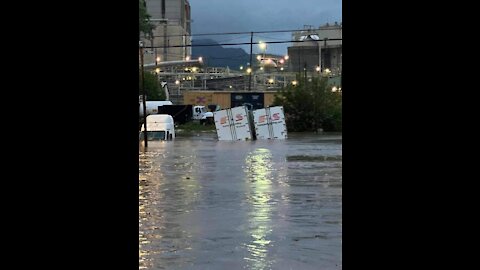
(207, 204)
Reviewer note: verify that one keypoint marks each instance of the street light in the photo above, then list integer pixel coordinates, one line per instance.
(334, 89)
(286, 57)
(317, 68)
(177, 82)
(249, 70)
(262, 45)
(294, 83)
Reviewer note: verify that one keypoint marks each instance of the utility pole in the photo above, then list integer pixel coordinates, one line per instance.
(324, 54)
(250, 66)
(305, 71)
(143, 95)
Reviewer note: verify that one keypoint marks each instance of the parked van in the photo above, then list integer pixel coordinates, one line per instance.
(159, 127)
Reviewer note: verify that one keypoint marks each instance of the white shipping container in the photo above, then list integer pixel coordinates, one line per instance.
(270, 123)
(233, 124)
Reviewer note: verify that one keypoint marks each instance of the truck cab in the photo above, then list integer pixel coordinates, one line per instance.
(159, 127)
(200, 113)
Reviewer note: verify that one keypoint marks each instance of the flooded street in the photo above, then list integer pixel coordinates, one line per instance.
(209, 204)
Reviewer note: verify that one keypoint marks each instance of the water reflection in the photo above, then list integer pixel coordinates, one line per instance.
(258, 176)
(165, 204)
(205, 204)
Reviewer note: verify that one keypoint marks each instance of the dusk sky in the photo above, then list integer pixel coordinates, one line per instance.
(220, 16)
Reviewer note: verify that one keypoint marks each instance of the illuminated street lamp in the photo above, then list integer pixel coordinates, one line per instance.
(317, 68)
(334, 89)
(249, 70)
(262, 45)
(286, 57)
(177, 82)
(294, 83)
(241, 67)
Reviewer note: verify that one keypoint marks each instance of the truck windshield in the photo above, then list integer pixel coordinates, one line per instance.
(154, 135)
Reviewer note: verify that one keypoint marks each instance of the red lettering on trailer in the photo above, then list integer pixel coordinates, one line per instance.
(262, 118)
(223, 120)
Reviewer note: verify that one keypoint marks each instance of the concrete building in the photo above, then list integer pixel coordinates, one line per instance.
(317, 49)
(172, 19)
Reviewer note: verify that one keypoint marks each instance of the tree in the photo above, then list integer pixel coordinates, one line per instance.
(311, 105)
(152, 87)
(145, 26)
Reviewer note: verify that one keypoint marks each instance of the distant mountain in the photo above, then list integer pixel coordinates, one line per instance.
(217, 56)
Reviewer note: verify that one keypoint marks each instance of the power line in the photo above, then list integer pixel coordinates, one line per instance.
(238, 33)
(242, 43)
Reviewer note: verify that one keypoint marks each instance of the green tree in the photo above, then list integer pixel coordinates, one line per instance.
(152, 87)
(311, 105)
(145, 26)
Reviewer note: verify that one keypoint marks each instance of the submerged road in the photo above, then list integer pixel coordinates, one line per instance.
(206, 204)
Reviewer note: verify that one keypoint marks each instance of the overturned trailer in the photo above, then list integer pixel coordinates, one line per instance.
(270, 123)
(239, 123)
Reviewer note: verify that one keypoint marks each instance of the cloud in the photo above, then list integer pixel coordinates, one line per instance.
(220, 16)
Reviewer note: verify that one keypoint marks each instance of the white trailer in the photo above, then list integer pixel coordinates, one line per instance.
(233, 124)
(270, 123)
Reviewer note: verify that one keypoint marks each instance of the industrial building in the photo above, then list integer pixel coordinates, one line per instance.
(172, 20)
(315, 48)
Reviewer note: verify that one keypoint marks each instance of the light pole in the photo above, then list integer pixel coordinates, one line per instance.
(250, 64)
(177, 82)
(263, 46)
(143, 95)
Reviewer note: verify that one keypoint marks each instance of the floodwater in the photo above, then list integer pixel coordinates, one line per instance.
(209, 204)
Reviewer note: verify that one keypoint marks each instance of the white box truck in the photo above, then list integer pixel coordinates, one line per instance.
(270, 123)
(233, 124)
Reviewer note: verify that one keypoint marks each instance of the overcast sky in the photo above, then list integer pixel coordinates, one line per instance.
(220, 16)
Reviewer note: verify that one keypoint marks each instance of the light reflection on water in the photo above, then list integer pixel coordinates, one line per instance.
(205, 204)
(258, 172)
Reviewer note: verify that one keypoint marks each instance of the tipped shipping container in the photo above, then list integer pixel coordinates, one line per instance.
(270, 123)
(233, 124)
